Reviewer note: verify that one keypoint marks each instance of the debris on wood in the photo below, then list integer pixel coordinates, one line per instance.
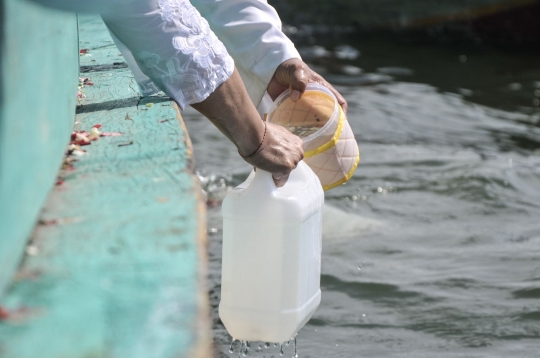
(87, 82)
(19, 314)
(112, 134)
(48, 222)
(32, 250)
(80, 138)
(94, 134)
(4, 313)
(83, 51)
(27, 274)
(125, 144)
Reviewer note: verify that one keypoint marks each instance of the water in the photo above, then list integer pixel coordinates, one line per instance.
(442, 214)
(245, 346)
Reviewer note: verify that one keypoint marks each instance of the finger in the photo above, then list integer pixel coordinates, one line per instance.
(299, 80)
(280, 180)
(342, 102)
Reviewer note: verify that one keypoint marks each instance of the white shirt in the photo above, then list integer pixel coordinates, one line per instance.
(168, 45)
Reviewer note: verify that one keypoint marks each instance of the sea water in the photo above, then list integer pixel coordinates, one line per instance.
(446, 201)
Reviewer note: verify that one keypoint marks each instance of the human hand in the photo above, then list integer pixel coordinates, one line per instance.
(279, 153)
(294, 75)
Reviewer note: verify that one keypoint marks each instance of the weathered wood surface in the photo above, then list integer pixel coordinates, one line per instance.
(119, 264)
(38, 79)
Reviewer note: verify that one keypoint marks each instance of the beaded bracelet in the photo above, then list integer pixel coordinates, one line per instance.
(259, 147)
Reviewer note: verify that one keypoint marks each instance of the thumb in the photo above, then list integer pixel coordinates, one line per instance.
(280, 180)
(299, 81)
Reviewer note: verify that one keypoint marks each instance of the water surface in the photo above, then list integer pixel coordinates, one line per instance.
(440, 253)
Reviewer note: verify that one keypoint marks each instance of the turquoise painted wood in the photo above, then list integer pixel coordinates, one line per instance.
(118, 269)
(38, 90)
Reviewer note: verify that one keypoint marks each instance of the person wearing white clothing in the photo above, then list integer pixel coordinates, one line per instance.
(169, 46)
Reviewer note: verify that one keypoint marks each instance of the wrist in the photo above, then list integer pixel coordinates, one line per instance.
(250, 139)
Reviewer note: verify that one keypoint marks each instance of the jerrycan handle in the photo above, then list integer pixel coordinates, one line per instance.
(302, 173)
(262, 182)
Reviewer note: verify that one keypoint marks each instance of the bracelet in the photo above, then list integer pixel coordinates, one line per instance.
(259, 147)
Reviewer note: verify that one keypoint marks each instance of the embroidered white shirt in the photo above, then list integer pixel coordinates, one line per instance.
(168, 45)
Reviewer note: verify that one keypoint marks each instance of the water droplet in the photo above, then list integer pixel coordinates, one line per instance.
(267, 345)
(295, 348)
(359, 268)
(275, 344)
(337, 345)
(244, 348)
(287, 344)
(231, 350)
(281, 350)
(379, 190)
(259, 347)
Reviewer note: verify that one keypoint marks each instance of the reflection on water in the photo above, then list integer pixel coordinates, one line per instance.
(442, 215)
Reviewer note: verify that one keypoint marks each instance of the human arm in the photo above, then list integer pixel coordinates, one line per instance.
(266, 58)
(232, 112)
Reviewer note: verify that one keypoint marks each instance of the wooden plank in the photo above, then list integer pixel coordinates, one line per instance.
(38, 78)
(118, 269)
(95, 38)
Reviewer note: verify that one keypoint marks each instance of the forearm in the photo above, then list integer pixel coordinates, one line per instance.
(230, 109)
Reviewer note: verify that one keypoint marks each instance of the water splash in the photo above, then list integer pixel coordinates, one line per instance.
(231, 350)
(245, 348)
(246, 345)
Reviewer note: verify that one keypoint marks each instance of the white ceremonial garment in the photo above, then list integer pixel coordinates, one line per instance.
(149, 32)
(251, 32)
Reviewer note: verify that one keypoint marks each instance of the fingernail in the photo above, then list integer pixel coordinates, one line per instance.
(295, 95)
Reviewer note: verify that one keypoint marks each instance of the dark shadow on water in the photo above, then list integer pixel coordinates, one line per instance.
(527, 293)
(530, 316)
(378, 292)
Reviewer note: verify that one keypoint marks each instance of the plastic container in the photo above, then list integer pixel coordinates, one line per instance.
(270, 285)
(330, 148)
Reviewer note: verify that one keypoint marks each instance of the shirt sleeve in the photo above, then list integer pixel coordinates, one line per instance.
(251, 31)
(173, 46)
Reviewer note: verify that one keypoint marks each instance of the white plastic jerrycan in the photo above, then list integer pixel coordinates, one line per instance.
(270, 285)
